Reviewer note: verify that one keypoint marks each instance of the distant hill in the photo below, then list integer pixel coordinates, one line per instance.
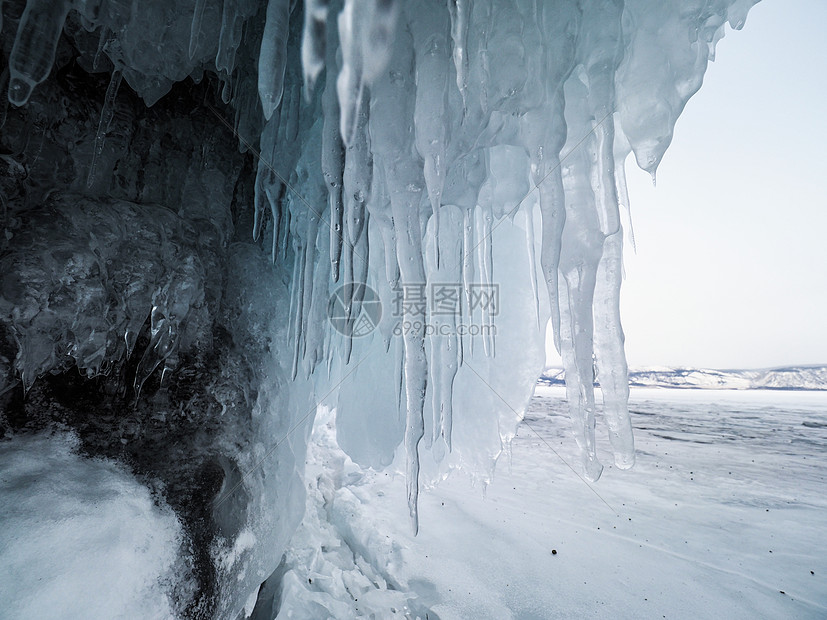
(786, 378)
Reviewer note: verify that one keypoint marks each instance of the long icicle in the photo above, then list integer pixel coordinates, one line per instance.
(107, 113)
(610, 354)
(333, 151)
(431, 108)
(391, 133)
(468, 275)
(532, 260)
(195, 28)
(272, 57)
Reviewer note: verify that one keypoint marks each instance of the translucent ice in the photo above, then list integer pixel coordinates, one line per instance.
(476, 147)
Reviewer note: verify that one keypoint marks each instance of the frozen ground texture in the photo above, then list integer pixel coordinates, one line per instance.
(719, 518)
(157, 154)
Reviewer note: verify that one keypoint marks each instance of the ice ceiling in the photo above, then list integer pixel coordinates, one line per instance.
(168, 263)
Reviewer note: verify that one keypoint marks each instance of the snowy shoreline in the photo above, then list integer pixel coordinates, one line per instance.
(787, 378)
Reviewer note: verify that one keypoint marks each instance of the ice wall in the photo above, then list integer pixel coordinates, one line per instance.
(407, 146)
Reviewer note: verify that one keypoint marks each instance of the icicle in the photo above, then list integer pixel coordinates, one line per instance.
(737, 13)
(379, 209)
(361, 260)
(600, 52)
(358, 266)
(307, 283)
(292, 323)
(431, 109)
(613, 373)
(104, 39)
(349, 83)
(391, 130)
(162, 343)
(543, 132)
(552, 209)
(582, 248)
(298, 310)
(107, 112)
(357, 183)
(195, 28)
(468, 270)
(275, 212)
(34, 47)
(232, 23)
(285, 231)
(330, 358)
(400, 378)
(391, 266)
(601, 60)
(606, 190)
(267, 180)
(576, 353)
(272, 58)
(532, 261)
(366, 40)
(486, 270)
(313, 43)
(621, 152)
(460, 10)
(443, 283)
(484, 26)
(347, 297)
(333, 157)
(258, 200)
(315, 348)
(357, 176)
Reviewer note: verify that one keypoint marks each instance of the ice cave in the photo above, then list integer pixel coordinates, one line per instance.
(227, 221)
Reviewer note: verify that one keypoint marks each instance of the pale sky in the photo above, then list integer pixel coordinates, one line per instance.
(731, 262)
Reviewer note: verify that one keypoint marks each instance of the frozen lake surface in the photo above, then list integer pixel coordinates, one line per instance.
(723, 516)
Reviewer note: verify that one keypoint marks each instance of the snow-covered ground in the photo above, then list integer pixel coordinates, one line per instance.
(82, 538)
(724, 516)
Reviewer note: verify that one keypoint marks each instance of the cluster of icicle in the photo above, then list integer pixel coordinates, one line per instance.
(414, 97)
